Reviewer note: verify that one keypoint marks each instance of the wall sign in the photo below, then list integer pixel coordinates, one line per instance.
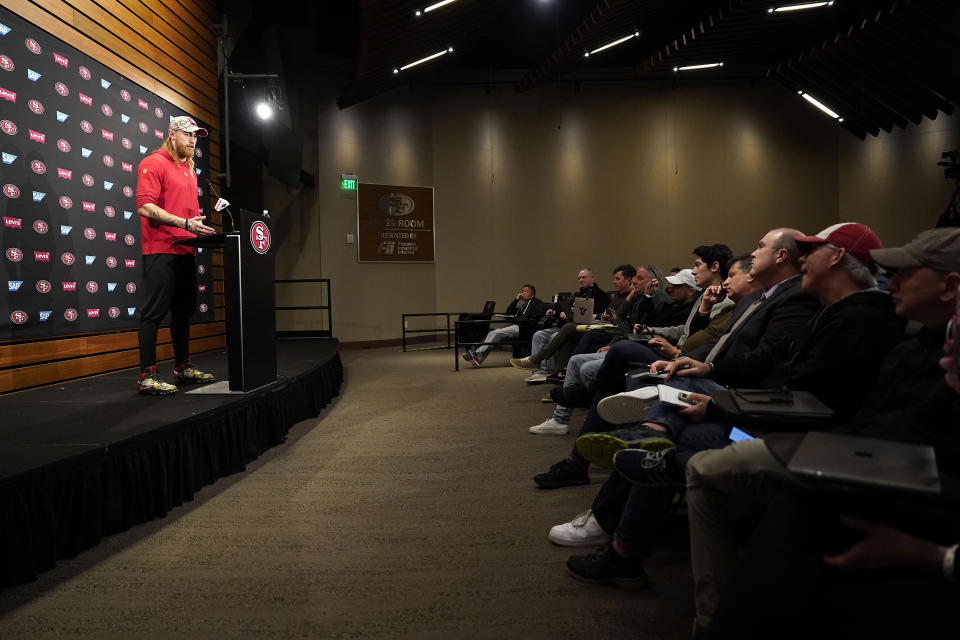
(394, 223)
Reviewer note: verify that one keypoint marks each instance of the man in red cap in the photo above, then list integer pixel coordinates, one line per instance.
(169, 210)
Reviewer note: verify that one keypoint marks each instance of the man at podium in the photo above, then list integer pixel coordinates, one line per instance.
(169, 210)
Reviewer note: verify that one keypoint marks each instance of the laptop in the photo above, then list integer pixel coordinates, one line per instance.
(858, 461)
(582, 311)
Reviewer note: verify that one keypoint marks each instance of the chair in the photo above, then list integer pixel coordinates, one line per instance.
(477, 332)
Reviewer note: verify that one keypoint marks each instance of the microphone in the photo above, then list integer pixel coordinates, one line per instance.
(222, 205)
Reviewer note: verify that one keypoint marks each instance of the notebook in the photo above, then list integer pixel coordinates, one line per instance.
(866, 462)
(582, 310)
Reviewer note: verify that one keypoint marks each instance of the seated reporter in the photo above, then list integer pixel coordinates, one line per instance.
(525, 307)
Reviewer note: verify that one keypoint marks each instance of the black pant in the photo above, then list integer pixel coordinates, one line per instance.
(170, 283)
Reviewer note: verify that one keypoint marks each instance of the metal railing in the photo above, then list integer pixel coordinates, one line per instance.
(320, 307)
(449, 330)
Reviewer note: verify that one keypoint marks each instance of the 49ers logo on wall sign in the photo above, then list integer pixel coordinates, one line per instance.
(62, 89)
(8, 127)
(260, 237)
(6, 63)
(14, 254)
(33, 46)
(38, 167)
(70, 315)
(19, 317)
(36, 107)
(11, 191)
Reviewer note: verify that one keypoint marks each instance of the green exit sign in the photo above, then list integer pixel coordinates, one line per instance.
(348, 182)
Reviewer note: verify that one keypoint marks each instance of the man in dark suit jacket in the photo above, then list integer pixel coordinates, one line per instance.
(525, 307)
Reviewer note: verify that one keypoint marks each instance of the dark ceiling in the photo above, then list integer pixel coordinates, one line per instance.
(878, 63)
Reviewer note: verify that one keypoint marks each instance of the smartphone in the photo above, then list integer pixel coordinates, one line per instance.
(739, 436)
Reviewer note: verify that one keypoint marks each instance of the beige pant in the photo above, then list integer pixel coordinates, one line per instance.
(724, 485)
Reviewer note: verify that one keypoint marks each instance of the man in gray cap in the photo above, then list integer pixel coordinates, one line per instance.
(169, 211)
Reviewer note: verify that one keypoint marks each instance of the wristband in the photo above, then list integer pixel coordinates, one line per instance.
(948, 567)
(186, 223)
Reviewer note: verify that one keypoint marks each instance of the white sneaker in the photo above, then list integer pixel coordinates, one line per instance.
(582, 531)
(629, 406)
(534, 378)
(550, 427)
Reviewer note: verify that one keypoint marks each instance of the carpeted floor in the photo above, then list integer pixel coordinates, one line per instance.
(406, 511)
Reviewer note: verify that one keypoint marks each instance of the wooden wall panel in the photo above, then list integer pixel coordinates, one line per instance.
(169, 47)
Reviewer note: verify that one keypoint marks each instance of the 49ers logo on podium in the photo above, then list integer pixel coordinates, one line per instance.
(260, 237)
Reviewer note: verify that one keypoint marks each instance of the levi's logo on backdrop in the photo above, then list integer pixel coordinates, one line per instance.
(13, 223)
(60, 60)
(41, 256)
(107, 135)
(6, 94)
(36, 136)
(69, 286)
(85, 99)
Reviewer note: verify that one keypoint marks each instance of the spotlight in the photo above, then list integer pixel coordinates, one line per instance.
(264, 111)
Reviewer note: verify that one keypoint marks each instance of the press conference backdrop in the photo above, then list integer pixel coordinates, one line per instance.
(72, 133)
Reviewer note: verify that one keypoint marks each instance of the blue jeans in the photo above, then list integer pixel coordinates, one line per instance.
(581, 369)
(540, 340)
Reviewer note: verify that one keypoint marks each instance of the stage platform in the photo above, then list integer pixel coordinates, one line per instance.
(85, 459)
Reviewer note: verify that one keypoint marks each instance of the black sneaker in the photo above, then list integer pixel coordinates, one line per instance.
(606, 566)
(574, 396)
(565, 473)
(649, 468)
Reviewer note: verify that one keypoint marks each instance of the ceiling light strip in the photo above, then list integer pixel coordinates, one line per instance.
(819, 105)
(799, 7)
(694, 67)
(436, 5)
(422, 60)
(635, 34)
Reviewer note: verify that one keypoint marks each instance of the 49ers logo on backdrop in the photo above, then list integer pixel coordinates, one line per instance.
(84, 73)
(19, 317)
(62, 89)
(33, 46)
(107, 111)
(107, 160)
(63, 145)
(131, 287)
(111, 262)
(66, 202)
(14, 254)
(89, 233)
(87, 180)
(92, 287)
(38, 167)
(143, 127)
(86, 126)
(43, 286)
(6, 63)
(158, 112)
(125, 95)
(11, 191)
(113, 312)
(40, 226)
(70, 315)
(36, 107)
(8, 127)
(68, 259)
(109, 211)
(129, 239)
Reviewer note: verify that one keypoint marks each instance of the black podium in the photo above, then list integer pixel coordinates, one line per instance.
(249, 298)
